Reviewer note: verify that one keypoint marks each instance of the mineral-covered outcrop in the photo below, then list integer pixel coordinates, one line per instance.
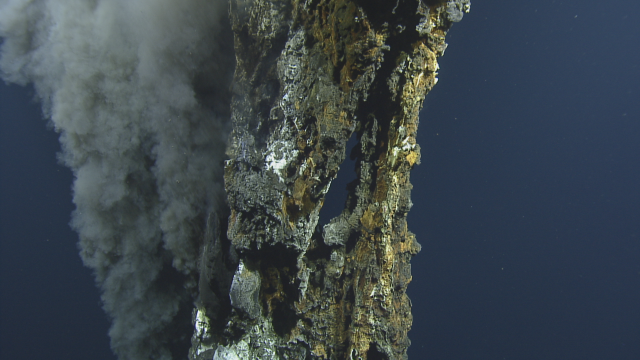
(309, 75)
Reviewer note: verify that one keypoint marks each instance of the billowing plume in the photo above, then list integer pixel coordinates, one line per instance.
(139, 92)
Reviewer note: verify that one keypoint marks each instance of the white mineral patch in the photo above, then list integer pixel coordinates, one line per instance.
(303, 275)
(279, 154)
(202, 322)
(225, 353)
(202, 330)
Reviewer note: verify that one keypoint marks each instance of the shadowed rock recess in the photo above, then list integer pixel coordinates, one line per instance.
(309, 74)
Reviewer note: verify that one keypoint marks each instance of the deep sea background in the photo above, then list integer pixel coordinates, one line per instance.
(527, 201)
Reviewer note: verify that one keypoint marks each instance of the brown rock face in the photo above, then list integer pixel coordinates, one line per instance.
(310, 74)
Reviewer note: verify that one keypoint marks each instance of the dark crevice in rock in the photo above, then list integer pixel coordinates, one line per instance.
(283, 319)
(318, 249)
(351, 242)
(374, 354)
(279, 285)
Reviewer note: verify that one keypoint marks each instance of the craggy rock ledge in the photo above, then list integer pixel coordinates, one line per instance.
(309, 75)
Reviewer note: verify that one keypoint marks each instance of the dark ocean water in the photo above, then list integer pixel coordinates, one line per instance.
(528, 196)
(527, 201)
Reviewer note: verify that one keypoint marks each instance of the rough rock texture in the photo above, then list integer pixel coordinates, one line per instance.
(309, 75)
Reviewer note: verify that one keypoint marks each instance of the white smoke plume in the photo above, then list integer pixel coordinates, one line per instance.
(138, 90)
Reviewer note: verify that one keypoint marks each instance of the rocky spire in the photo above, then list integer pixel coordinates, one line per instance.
(309, 75)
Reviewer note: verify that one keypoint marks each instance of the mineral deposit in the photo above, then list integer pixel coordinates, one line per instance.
(311, 74)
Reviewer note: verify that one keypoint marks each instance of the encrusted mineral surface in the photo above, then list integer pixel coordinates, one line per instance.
(310, 74)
